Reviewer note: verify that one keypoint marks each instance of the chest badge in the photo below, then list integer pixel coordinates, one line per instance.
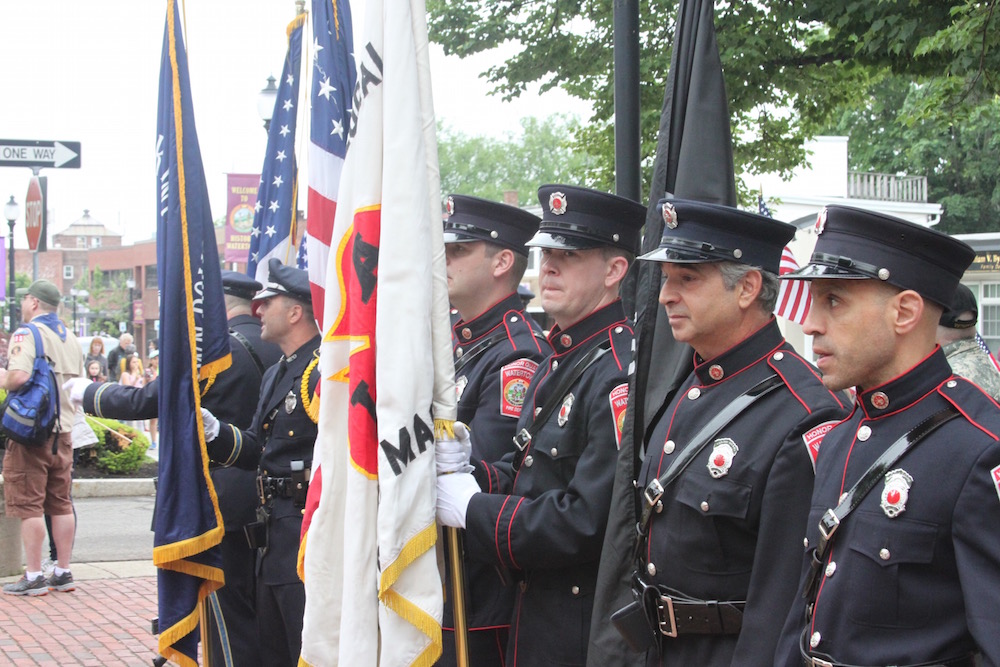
(460, 384)
(290, 402)
(721, 459)
(567, 405)
(896, 492)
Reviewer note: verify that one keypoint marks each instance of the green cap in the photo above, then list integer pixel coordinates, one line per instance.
(45, 291)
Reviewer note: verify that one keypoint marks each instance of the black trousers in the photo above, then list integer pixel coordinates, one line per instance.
(233, 634)
(279, 622)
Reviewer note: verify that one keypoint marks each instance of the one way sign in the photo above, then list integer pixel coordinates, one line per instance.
(27, 153)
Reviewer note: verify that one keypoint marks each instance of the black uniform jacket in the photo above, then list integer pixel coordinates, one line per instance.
(231, 398)
(736, 536)
(496, 355)
(545, 522)
(281, 432)
(912, 575)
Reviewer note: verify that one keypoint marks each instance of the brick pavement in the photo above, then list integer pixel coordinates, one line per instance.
(103, 622)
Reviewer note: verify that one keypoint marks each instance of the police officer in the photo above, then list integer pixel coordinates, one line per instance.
(231, 396)
(278, 445)
(728, 471)
(496, 354)
(956, 334)
(540, 512)
(901, 557)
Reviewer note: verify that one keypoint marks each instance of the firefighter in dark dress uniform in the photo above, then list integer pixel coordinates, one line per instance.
(540, 512)
(278, 445)
(231, 396)
(901, 563)
(721, 539)
(496, 353)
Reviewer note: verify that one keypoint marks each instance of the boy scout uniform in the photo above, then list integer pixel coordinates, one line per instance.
(723, 532)
(496, 354)
(546, 509)
(910, 576)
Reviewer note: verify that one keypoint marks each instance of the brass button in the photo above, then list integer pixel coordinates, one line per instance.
(704, 506)
(694, 393)
(466, 333)
(291, 433)
(778, 356)
(565, 340)
(815, 640)
(555, 364)
(805, 542)
(554, 451)
(884, 554)
(459, 352)
(864, 433)
(575, 590)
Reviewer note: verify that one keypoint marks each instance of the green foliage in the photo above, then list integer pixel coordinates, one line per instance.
(114, 453)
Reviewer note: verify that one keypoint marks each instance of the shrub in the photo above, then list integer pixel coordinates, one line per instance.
(114, 453)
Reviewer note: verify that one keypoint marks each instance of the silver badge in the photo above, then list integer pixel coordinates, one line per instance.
(820, 222)
(449, 206)
(460, 384)
(564, 410)
(557, 203)
(721, 459)
(669, 215)
(290, 402)
(896, 492)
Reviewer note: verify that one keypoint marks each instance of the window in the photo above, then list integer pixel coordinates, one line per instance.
(81, 241)
(95, 241)
(989, 313)
(150, 272)
(534, 261)
(68, 272)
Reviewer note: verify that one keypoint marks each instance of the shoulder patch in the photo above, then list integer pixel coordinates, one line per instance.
(619, 401)
(995, 477)
(19, 336)
(814, 437)
(514, 380)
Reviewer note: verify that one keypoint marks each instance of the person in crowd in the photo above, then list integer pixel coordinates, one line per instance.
(95, 371)
(900, 565)
(496, 353)
(96, 353)
(278, 446)
(233, 398)
(149, 375)
(117, 356)
(38, 480)
(728, 472)
(133, 375)
(956, 334)
(539, 513)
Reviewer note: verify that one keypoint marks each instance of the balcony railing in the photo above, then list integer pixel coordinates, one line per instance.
(887, 187)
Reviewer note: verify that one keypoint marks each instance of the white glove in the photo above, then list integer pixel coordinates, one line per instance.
(453, 495)
(75, 387)
(211, 425)
(452, 454)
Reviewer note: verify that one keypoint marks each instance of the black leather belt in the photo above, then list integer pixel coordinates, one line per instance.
(274, 487)
(677, 614)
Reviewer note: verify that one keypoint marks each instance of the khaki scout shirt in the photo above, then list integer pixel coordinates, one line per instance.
(66, 359)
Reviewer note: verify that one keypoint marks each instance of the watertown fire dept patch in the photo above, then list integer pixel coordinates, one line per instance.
(995, 476)
(619, 401)
(814, 437)
(896, 492)
(514, 380)
(721, 459)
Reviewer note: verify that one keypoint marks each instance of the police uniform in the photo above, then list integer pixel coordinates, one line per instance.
(496, 354)
(723, 533)
(965, 356)
(543, 517)
(910, 576)
(231, 397)
(278, 445)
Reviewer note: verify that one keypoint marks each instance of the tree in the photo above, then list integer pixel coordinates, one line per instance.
(788, 65)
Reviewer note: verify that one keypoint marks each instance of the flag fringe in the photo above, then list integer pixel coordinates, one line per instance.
(444, 428)
(181, 629)
(411, 613)
(300, 560)
(163, 554)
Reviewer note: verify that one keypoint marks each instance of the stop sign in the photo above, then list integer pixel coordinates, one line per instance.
(33, 207)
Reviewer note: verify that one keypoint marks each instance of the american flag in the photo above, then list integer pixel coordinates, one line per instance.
(793, 295)
(274, 217)
(985, 348)
(333, 82)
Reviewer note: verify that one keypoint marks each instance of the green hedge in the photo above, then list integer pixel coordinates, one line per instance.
(113, 452)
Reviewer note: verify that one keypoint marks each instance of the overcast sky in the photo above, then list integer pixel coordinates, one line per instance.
(88, 71)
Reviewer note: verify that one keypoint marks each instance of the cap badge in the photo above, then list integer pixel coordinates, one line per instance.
(715, 372)
(557, 203)
(449, 206)
(669, 215)
(567, 405)
(879, 400)
(896, 492)
(721, 459)
(821, 222)
(460, 384)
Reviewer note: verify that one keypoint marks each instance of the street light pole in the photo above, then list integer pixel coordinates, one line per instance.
(11, 211)
(265, 102)
(130, 283)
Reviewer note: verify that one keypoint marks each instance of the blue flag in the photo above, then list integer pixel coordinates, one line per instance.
(274, 217)
(194, 347)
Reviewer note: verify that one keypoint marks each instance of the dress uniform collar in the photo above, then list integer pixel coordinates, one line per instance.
(303, 355)
(745, 353)
(468, 333)
(565, 340)
(903, 391)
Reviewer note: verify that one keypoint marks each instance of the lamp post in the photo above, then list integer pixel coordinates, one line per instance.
(130, 283)
(265, 102)
(77, 294)
(11, 211)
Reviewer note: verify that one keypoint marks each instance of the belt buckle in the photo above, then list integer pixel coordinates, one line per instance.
(819, 662)
(260, 490)
(665, 616)
(522, 439)
(653, 492)
(828, 524)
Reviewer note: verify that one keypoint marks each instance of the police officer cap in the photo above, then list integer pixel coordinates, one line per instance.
(525, 292)
(286, 280)
(474, 219)
(579, 218)
(963, 302)
(240, 285)
(695, 232)
(854, 244)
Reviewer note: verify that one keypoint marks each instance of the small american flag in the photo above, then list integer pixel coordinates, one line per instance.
(985, 348)
(793, 295)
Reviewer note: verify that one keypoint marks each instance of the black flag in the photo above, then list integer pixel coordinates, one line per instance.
(694, 160)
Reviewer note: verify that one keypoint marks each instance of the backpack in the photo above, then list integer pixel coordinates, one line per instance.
(31, 412)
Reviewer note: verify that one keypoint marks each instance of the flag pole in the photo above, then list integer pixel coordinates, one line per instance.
(453, 543)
